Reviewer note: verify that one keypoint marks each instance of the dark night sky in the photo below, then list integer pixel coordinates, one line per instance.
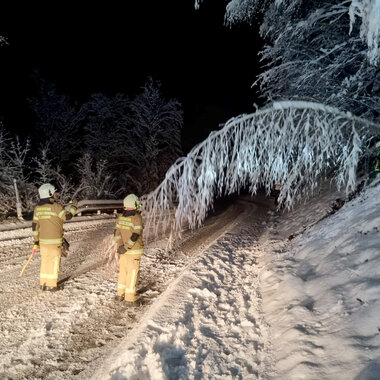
(114, 47)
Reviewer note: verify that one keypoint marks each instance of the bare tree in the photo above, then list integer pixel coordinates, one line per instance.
(45, 170)
(95, 182)
(102, 118)
(6, 198)
(153, 142)
(14, 165)
(3, 41)
(57, 124)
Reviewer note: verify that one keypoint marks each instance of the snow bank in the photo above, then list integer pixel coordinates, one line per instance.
(321, 294)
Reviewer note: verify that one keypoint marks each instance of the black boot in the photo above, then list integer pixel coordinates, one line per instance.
(54, 288)
(131, 303)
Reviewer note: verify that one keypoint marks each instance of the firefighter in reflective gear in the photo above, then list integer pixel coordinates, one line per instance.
(129, 238)
(47, 229)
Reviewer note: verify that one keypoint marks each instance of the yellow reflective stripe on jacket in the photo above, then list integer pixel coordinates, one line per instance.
(73, 210)
(62, 213)
(130, 243)
(121, 286)
(116, 238)
(124, 227)
(125, 223)
(35, 233)
(137, 227)
(50, 213)
(35, 218)
(51, 241)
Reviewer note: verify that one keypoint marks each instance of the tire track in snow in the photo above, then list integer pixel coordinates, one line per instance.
(60, 335)
(209, 321)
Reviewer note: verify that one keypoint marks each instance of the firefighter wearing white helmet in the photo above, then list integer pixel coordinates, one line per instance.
(47, 229)
(129, 238)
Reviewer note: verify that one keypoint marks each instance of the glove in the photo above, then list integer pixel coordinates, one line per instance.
(65, 244)
(121, 249)
(65, 247)
(73, 202)
(71, 207)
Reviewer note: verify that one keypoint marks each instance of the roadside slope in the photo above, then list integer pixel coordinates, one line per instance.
(320, 283)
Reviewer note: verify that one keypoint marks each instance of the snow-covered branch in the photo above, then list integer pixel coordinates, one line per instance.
(95, 180)
(154, 141)
(297, 143)
(14, 159)
(369, 12)
(316, 51)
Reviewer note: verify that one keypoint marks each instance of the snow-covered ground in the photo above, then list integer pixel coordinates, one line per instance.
(321, 292)
(253, 294)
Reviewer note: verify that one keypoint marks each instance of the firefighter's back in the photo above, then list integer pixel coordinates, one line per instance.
(49, 216)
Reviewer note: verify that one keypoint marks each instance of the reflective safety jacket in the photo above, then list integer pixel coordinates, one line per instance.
(129, 232)
(48, 221)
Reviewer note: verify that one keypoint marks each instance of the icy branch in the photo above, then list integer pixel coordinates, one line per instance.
(296, 143)
(369, 12)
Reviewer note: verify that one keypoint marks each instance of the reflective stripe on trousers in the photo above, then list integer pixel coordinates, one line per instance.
(128, 276)
(50, 263)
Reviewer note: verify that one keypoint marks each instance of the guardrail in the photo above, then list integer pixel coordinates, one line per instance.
(112, 205)
(85, 206)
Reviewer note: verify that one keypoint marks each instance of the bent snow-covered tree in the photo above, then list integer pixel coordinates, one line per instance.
(298, 143)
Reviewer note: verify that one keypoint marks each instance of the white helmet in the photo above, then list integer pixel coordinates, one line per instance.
(132, 201)
(46, 191)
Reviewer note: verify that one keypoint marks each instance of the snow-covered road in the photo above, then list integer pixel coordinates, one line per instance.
(254, 294)
(208, 321)
(69, 333)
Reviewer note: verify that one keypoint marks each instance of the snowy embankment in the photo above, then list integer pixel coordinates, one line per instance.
(296, 300)
(322, 292)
